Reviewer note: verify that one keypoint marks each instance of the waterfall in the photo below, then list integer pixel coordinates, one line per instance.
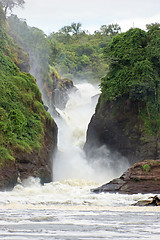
(71, 162)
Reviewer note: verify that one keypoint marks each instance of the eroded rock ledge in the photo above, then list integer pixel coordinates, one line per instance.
(142, 177)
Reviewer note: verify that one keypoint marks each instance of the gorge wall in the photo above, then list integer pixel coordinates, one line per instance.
(127, 115)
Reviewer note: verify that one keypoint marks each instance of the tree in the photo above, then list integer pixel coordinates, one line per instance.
(153, 27)
(65, 30)
(111, 29)
(76, 28)
(10, 4)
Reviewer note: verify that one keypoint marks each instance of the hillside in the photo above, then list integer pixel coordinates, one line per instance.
(28, 134)
(127, 117)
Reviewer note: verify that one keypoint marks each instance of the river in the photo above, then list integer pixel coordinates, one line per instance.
(65, 208)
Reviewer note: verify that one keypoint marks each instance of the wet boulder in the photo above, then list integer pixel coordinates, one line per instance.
(142, 177)
(154, 202)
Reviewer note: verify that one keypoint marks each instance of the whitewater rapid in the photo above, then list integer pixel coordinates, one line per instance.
(66, 209)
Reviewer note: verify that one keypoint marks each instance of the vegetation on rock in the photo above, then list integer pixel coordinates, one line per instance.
(134, 72)
(127, 117)
(23, 119)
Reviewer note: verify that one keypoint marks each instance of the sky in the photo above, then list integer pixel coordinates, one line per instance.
(51, 15)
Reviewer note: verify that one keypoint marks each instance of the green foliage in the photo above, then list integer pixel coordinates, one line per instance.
(7, 65)
(73, 52)
(22, 114)
(111, 29)
(77, 54)
(134, 72)
(5, 155)
(146, 168)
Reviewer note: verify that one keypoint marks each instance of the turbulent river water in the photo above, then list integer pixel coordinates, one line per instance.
(65, 208)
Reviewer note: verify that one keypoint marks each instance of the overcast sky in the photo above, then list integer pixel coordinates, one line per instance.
(51, 15)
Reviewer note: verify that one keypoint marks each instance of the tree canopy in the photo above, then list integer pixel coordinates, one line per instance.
(72, 51)
(134, 65)
(134, 73)
(10, 4)
(79, 54)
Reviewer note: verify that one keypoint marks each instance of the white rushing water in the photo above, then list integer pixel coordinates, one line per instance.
(66, 209)
(71, 162)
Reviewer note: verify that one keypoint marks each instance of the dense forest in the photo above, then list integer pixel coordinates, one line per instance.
(73, 52)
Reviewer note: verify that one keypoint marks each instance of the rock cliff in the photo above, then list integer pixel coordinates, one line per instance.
(118, 125)
(56, 91)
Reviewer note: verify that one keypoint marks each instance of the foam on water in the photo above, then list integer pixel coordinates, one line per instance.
(67, 210)
(67, 193)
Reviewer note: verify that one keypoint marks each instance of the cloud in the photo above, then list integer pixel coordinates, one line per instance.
(51, 15)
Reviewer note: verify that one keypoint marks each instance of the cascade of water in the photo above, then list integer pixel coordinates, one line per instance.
(71, 162)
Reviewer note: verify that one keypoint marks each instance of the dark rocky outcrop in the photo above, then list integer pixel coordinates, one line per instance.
(142, 177)
(154, 202)
(61, 89)
(56, 91)
(8, 175)
(118, 125)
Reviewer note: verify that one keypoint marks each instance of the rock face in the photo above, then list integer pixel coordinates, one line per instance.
(142, 177)
(154, 202)
(35, 164)
(8, 176)
(61, 88)
(56, 94)
(39, 164)
(118, 126)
